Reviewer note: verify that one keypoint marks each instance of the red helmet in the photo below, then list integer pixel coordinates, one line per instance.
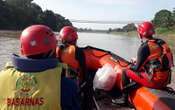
(68, 34)
(37, 39)
(146, 29)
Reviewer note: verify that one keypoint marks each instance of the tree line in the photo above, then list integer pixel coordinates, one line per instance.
(18, 14)
(162, 19)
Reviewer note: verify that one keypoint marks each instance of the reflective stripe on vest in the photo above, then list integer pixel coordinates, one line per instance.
(30, 91)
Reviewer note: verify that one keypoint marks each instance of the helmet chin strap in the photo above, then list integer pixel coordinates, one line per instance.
(50, 54)
(141, 38)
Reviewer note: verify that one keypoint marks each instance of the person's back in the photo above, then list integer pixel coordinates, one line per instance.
(35, 82)
(69, 53)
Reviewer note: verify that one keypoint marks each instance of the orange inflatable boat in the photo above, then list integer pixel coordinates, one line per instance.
(142, 98)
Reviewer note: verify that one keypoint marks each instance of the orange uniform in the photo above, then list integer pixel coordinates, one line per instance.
(153, 64)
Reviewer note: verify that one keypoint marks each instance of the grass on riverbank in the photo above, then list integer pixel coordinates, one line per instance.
(9, 33)
(168, 35)
(169, 38)
(131, 33)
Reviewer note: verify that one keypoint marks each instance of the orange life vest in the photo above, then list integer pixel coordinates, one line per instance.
(160, 60)
(67, 55)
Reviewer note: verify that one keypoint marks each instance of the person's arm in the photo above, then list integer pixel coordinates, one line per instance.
(76, 98)
(142, 54)
(70, 99)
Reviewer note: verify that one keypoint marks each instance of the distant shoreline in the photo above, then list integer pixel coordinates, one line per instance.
(131, 33)
(168, 37)
(10, 33)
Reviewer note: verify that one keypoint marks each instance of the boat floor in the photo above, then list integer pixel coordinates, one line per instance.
(106, 104)
(104, 100)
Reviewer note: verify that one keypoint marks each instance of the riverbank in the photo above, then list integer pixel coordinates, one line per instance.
(131, 33)
(10, 33)
(168, 35)
(170, 39)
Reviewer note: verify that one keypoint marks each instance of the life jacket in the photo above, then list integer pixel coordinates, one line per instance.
(159, 62)
(30, 90)
(75, 58)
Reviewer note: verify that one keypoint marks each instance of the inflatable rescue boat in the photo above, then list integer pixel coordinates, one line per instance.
(142, 98)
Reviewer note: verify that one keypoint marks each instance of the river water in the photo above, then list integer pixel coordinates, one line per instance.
(7, 47)
(121, 45)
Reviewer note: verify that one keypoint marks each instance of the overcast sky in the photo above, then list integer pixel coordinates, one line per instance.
(106, 10)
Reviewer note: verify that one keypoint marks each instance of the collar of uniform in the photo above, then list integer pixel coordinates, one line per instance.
(33, 65)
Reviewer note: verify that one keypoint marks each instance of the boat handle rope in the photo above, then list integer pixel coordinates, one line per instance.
(117, 61)
(98, 56)
(116, 57)
(90, 47)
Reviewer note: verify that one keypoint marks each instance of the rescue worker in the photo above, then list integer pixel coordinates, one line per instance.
(152, 67)
(69, 53)
(34, 82)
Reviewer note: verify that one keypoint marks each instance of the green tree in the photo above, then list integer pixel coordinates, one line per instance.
(129, 27)
(32, 13)
(5, 15)
(109, 30)
(2, 14)
(60, 22)
(21, 13)
(18, 14)
(48, 18)
(20, 3)
(174, 16)
(163, 19)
